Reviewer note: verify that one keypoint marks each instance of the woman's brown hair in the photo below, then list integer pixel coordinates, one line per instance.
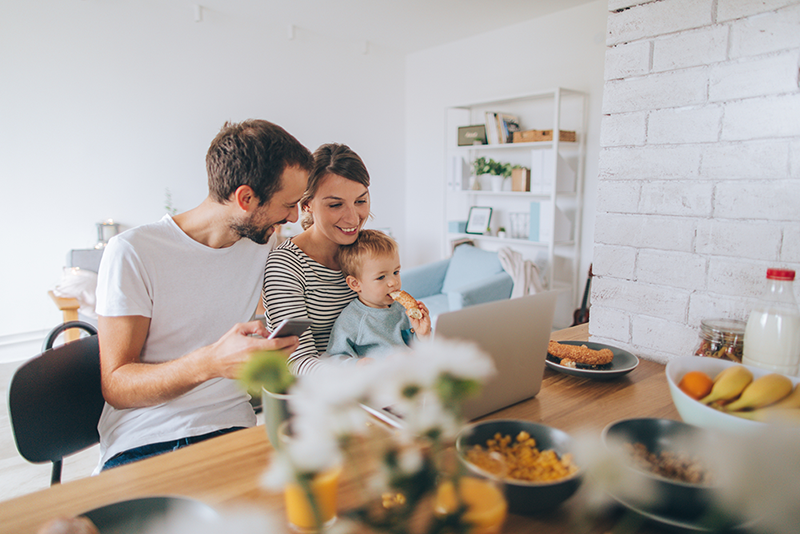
(332, 158)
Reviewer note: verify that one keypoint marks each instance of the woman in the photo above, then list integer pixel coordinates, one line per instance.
(302, 277)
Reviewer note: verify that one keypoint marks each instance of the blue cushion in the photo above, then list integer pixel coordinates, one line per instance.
(436, 304)
(425, 280)
(469, 265)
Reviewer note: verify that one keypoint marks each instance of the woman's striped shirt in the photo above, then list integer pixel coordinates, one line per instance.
(297, 286)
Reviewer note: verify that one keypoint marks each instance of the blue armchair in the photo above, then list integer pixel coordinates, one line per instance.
(471, 276)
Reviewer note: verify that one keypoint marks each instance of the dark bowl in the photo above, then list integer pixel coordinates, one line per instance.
(672, 497)
(523, 497)
(140, 515)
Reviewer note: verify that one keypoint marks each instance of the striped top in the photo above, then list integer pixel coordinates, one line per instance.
(297, 286)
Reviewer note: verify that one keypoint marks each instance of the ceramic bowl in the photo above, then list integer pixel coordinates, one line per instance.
(697, 413)
(144, 514)
(669, 497)
(523, 497)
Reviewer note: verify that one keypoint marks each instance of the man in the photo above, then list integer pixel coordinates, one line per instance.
(174, 298)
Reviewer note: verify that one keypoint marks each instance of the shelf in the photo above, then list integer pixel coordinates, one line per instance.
(557, 173)
(506, 146)
(509, 240)
(520, 194)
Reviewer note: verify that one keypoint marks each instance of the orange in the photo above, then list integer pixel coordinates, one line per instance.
(486, 506)
(696, 384)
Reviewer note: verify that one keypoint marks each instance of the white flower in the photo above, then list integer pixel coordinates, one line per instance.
(410, 460)
(178, 521)
(758, 477)
(605, 474)
(457, 358)
(325, 405)
(429, 415)
(278, 474)
(311, 452)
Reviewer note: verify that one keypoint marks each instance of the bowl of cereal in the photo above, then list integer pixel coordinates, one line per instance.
(532, 462)
(670, 465)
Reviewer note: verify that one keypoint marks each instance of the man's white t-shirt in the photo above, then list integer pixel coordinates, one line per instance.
(193, 294)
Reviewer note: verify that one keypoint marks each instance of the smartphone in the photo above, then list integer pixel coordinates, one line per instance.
(290, 327)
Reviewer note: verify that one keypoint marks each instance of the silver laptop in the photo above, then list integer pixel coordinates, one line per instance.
(515, 334)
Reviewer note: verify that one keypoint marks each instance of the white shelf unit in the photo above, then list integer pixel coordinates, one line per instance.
(558, 110)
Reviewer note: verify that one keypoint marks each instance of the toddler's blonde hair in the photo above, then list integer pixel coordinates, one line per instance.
(370, 243)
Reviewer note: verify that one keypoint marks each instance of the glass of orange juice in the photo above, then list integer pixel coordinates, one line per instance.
(304, 516)
(310, 503)
(486, 505)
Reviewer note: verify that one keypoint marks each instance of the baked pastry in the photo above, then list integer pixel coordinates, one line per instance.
(579, 356)
(408, 302)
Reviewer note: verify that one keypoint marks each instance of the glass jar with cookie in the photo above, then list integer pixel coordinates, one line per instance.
(721, 338)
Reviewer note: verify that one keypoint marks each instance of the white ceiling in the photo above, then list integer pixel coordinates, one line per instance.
(401, 25)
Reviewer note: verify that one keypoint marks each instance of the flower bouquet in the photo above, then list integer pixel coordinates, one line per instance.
(408, 479)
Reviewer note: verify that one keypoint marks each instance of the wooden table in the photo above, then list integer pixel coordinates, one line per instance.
(226, 470)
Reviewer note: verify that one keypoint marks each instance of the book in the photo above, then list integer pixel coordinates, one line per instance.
(510, 125)
(491, 128)
(501, 137)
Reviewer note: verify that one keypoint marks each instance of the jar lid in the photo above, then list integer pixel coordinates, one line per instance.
(780, 274)
(726, 326)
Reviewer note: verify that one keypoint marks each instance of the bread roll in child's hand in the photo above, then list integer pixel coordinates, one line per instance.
(408, 302)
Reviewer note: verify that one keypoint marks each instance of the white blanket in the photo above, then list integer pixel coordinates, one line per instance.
(524, 273)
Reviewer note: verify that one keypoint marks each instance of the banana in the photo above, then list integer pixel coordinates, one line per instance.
(772, 414)
(762, 392)
(792, 400)
(729, 384)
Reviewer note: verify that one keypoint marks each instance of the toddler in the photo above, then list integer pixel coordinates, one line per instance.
(373, 322)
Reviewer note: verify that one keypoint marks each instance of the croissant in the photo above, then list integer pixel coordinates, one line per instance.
(408, 302)
(580, 356)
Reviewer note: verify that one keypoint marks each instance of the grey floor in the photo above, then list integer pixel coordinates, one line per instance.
(17, 475)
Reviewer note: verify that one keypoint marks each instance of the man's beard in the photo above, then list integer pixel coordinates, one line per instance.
(256, 234)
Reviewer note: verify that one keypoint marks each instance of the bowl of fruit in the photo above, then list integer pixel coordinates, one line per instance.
(730, 396)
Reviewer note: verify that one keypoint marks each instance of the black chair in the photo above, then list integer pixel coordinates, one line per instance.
(55, 399)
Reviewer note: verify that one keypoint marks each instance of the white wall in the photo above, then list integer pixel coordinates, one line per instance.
(700, 167)
(106, 104)
(564, 49)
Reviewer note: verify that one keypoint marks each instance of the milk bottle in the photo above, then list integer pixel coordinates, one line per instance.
(772, 334)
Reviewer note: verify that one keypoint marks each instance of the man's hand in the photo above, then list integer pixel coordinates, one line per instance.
(235, 347)
(129, 383)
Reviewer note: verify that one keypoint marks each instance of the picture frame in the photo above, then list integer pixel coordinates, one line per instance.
(479, 218)
(472, 135)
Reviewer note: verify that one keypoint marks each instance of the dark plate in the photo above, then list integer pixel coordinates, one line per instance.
(136, 515)
(623, 363)
(682, 524)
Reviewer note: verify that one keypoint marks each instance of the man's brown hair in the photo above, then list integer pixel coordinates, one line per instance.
(253, 153)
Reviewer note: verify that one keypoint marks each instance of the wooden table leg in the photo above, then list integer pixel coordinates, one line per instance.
(69, 310)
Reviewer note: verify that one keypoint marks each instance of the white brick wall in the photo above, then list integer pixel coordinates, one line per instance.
(699, 189)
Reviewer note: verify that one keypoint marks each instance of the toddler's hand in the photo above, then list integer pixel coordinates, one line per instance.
(366, 360)
(422, 327)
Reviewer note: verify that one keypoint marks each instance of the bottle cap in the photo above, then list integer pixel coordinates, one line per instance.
(780, 274)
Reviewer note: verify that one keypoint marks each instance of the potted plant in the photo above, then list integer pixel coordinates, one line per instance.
(498, 171)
